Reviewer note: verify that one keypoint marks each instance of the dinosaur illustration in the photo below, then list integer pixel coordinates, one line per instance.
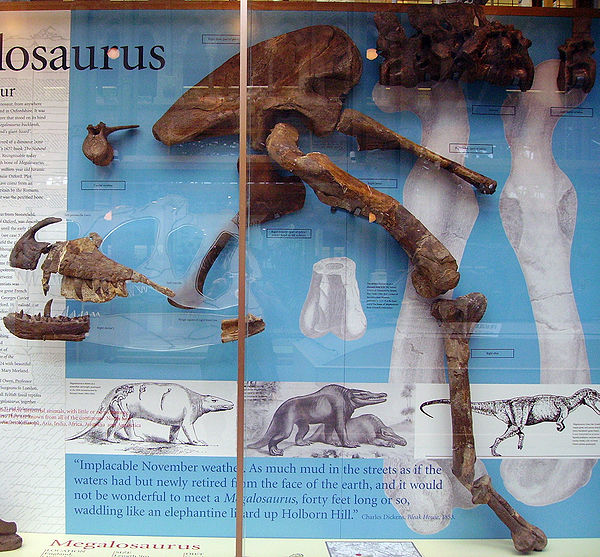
(521, 411)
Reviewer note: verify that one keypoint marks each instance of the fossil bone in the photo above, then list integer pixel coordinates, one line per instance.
(332, 304)
(87, 274)
(453, 41)
(458, 319)
(270, 196)
(96, 146)
(230, 331)
(27, 250)
(370, 134)
(307, 72)
(538, 207)
(577, 65)
(435, 269)
(46, 327)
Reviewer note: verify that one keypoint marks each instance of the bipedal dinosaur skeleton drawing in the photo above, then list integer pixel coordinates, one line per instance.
(522, 411)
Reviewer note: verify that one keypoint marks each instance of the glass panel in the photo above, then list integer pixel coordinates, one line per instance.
(347, 421)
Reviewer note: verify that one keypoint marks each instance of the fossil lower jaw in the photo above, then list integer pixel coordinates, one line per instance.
(42, 327)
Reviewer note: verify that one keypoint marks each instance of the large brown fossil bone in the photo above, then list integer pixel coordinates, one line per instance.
(577, 65)
(453, 41)
(96, 146)
(87, 274)
(306, 72)
(435, 269)
(46, 327)
(458, 319)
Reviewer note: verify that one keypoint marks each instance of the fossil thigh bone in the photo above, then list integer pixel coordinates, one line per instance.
(333, 301)
(538, 207)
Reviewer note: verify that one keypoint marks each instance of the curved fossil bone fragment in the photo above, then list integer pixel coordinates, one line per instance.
(435, 269)
(87, 274)
(538, 208)
(27, 250)
(270, 196)
(577, 68)
(332, 304)
(458, 319)
(453, 41)
(96, 146)
(46, 327)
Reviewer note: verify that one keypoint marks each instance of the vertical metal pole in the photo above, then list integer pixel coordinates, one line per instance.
(243, 210)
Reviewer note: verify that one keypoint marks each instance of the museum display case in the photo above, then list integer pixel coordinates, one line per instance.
(293, 278)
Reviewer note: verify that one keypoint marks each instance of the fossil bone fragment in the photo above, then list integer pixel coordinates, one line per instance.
(538, 208)
(96, 146)
(46, 327)
(577, 65)
(87, 274)
(9, 539)
(435, 269)
(27, 250)
(453, 41)
(458, 319)
(332, 304)
(307, 72)
(270, 196)
(230, 331)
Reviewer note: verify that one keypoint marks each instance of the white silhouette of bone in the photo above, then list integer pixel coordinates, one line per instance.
(448, 208)
(538, 207)
(332, 304)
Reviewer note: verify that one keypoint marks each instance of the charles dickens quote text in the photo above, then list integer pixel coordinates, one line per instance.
(177, 489)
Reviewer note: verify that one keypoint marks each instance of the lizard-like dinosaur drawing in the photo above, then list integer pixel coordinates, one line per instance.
(529, 410)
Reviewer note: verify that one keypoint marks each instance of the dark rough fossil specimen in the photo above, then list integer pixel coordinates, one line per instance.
(9, 539)
(87, 274)
(577, 66)
(46, 327)
(453, 41)
(96, 146)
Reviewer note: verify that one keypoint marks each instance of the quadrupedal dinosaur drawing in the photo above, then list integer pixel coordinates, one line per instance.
(521, 411)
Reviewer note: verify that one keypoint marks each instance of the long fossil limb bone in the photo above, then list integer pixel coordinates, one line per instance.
(370, 134)
(458, 319)
(435, 269)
